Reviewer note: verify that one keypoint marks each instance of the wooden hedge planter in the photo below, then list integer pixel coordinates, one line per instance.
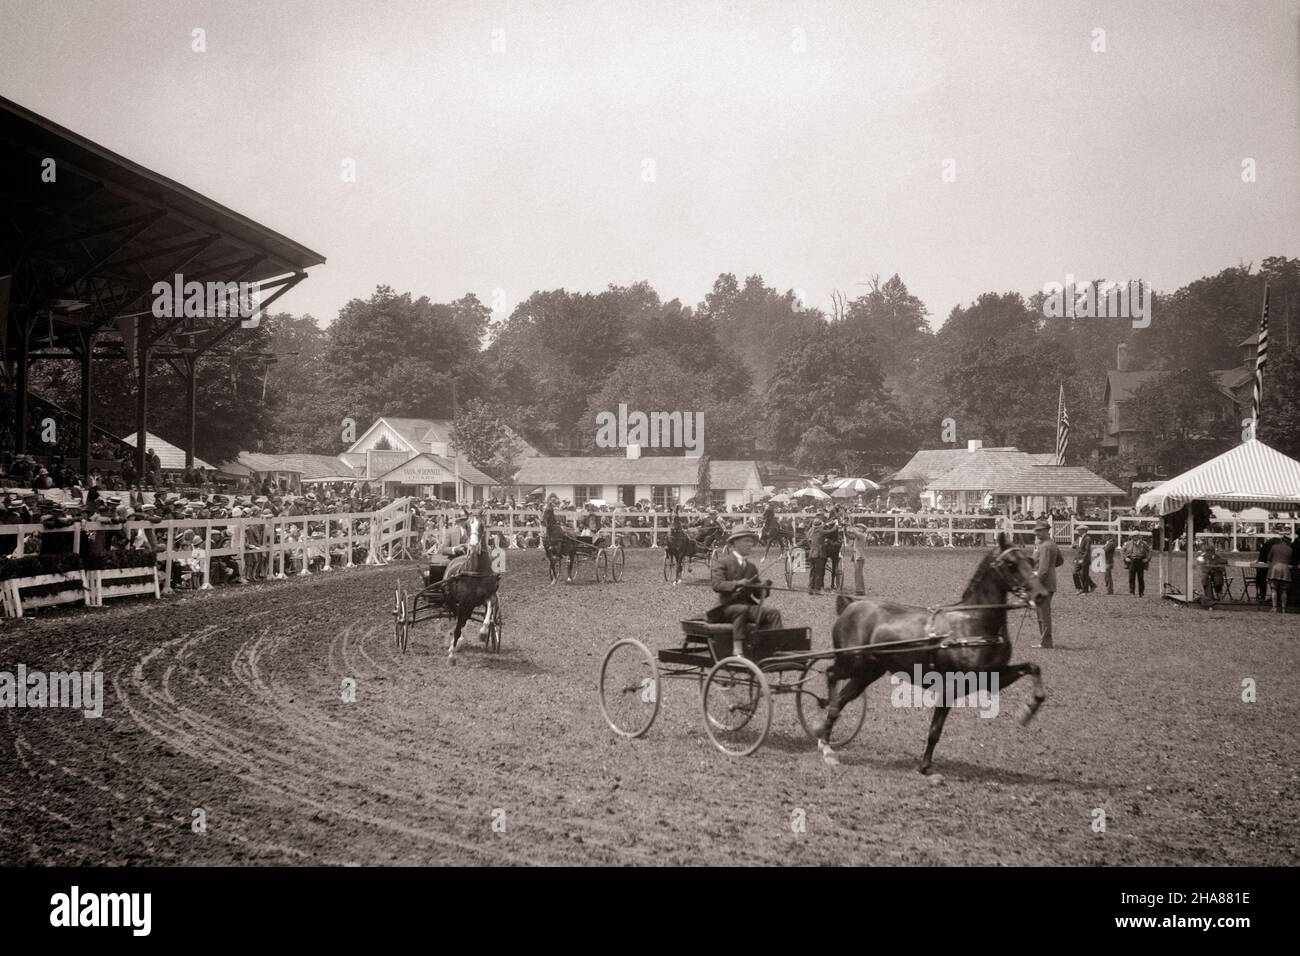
(15, 603)
(100, 584)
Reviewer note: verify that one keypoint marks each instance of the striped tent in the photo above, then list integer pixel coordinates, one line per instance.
(1252, 474)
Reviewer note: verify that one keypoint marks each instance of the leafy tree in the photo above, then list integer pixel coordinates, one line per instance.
(1279, 418)
(757, 322)
(486, 440)
(829, 394)
(1185, 418)
(996, 376)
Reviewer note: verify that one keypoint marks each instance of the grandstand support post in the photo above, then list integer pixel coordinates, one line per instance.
(87, 339)
(20, 417)
(142, 401)
(1190, 555)
(327, 545)
(896, 531)
(950, 531)
(191, 381)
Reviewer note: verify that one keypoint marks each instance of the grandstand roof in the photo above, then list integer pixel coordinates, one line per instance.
(171, 457)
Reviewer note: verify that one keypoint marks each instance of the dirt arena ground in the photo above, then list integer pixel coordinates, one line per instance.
(229, 703)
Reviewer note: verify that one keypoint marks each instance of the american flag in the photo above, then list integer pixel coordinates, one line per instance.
(1261, 359)
(1062, 429)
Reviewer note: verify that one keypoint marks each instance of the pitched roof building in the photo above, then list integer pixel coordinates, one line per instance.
(662, 480)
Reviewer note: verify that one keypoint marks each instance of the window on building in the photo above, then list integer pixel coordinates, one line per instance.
(663, 497)
(717, 499)
(584, 493)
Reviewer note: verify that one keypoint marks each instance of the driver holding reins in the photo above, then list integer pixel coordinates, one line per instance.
(454, 543)
(739, 604)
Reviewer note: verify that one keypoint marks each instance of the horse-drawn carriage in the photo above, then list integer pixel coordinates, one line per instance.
(870, 639)
(607, 561)
(468, 592)
(735, 692)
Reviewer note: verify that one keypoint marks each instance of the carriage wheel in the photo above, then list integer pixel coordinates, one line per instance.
(715, 555)
(494, 634)
(669, 567)
(812, 713)
(737, 706)
(401, 619)
(789, 569)
(602, 565)
(616, 565)
(629, 688)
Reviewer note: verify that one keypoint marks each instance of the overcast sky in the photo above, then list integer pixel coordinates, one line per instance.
(802, 141)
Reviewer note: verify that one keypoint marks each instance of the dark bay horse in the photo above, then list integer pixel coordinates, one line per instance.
(470, 583)
(682, 546)
(966, 639)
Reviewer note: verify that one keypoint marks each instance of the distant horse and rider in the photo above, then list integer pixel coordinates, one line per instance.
(467, 582)
(686, 544)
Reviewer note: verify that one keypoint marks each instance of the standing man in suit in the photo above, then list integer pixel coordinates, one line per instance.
(817, 557)
(738, 602)
(1047, 558)
(1083, 563)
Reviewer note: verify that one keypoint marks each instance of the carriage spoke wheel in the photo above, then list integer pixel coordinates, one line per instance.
(629, 688)
(616, 565)
(602, 565)
(669, 567)
(812, 713)
(789, 569)
(737, 706)
(401, 620)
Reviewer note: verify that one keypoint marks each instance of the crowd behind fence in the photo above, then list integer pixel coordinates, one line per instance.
(520, 528)
(201, 552)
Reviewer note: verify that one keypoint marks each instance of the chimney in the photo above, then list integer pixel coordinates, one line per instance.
(974, 444)
(1121, 357)
(633, 451)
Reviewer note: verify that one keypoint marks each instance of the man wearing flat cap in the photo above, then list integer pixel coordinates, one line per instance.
(738, 602)
(1047, 558)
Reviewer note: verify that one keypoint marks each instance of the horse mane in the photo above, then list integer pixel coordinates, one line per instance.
(980, 571)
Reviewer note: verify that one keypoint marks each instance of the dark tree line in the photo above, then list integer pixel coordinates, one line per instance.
(859, 390)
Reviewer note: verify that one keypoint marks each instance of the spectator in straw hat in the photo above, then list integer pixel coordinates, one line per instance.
(1048, 558)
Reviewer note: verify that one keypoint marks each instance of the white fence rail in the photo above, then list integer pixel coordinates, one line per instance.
(523, 528)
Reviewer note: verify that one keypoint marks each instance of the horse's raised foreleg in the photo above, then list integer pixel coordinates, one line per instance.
(1012, 673)
(936, 731)
(840, 697)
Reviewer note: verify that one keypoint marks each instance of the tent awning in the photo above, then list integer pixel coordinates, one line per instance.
(1252, 474)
